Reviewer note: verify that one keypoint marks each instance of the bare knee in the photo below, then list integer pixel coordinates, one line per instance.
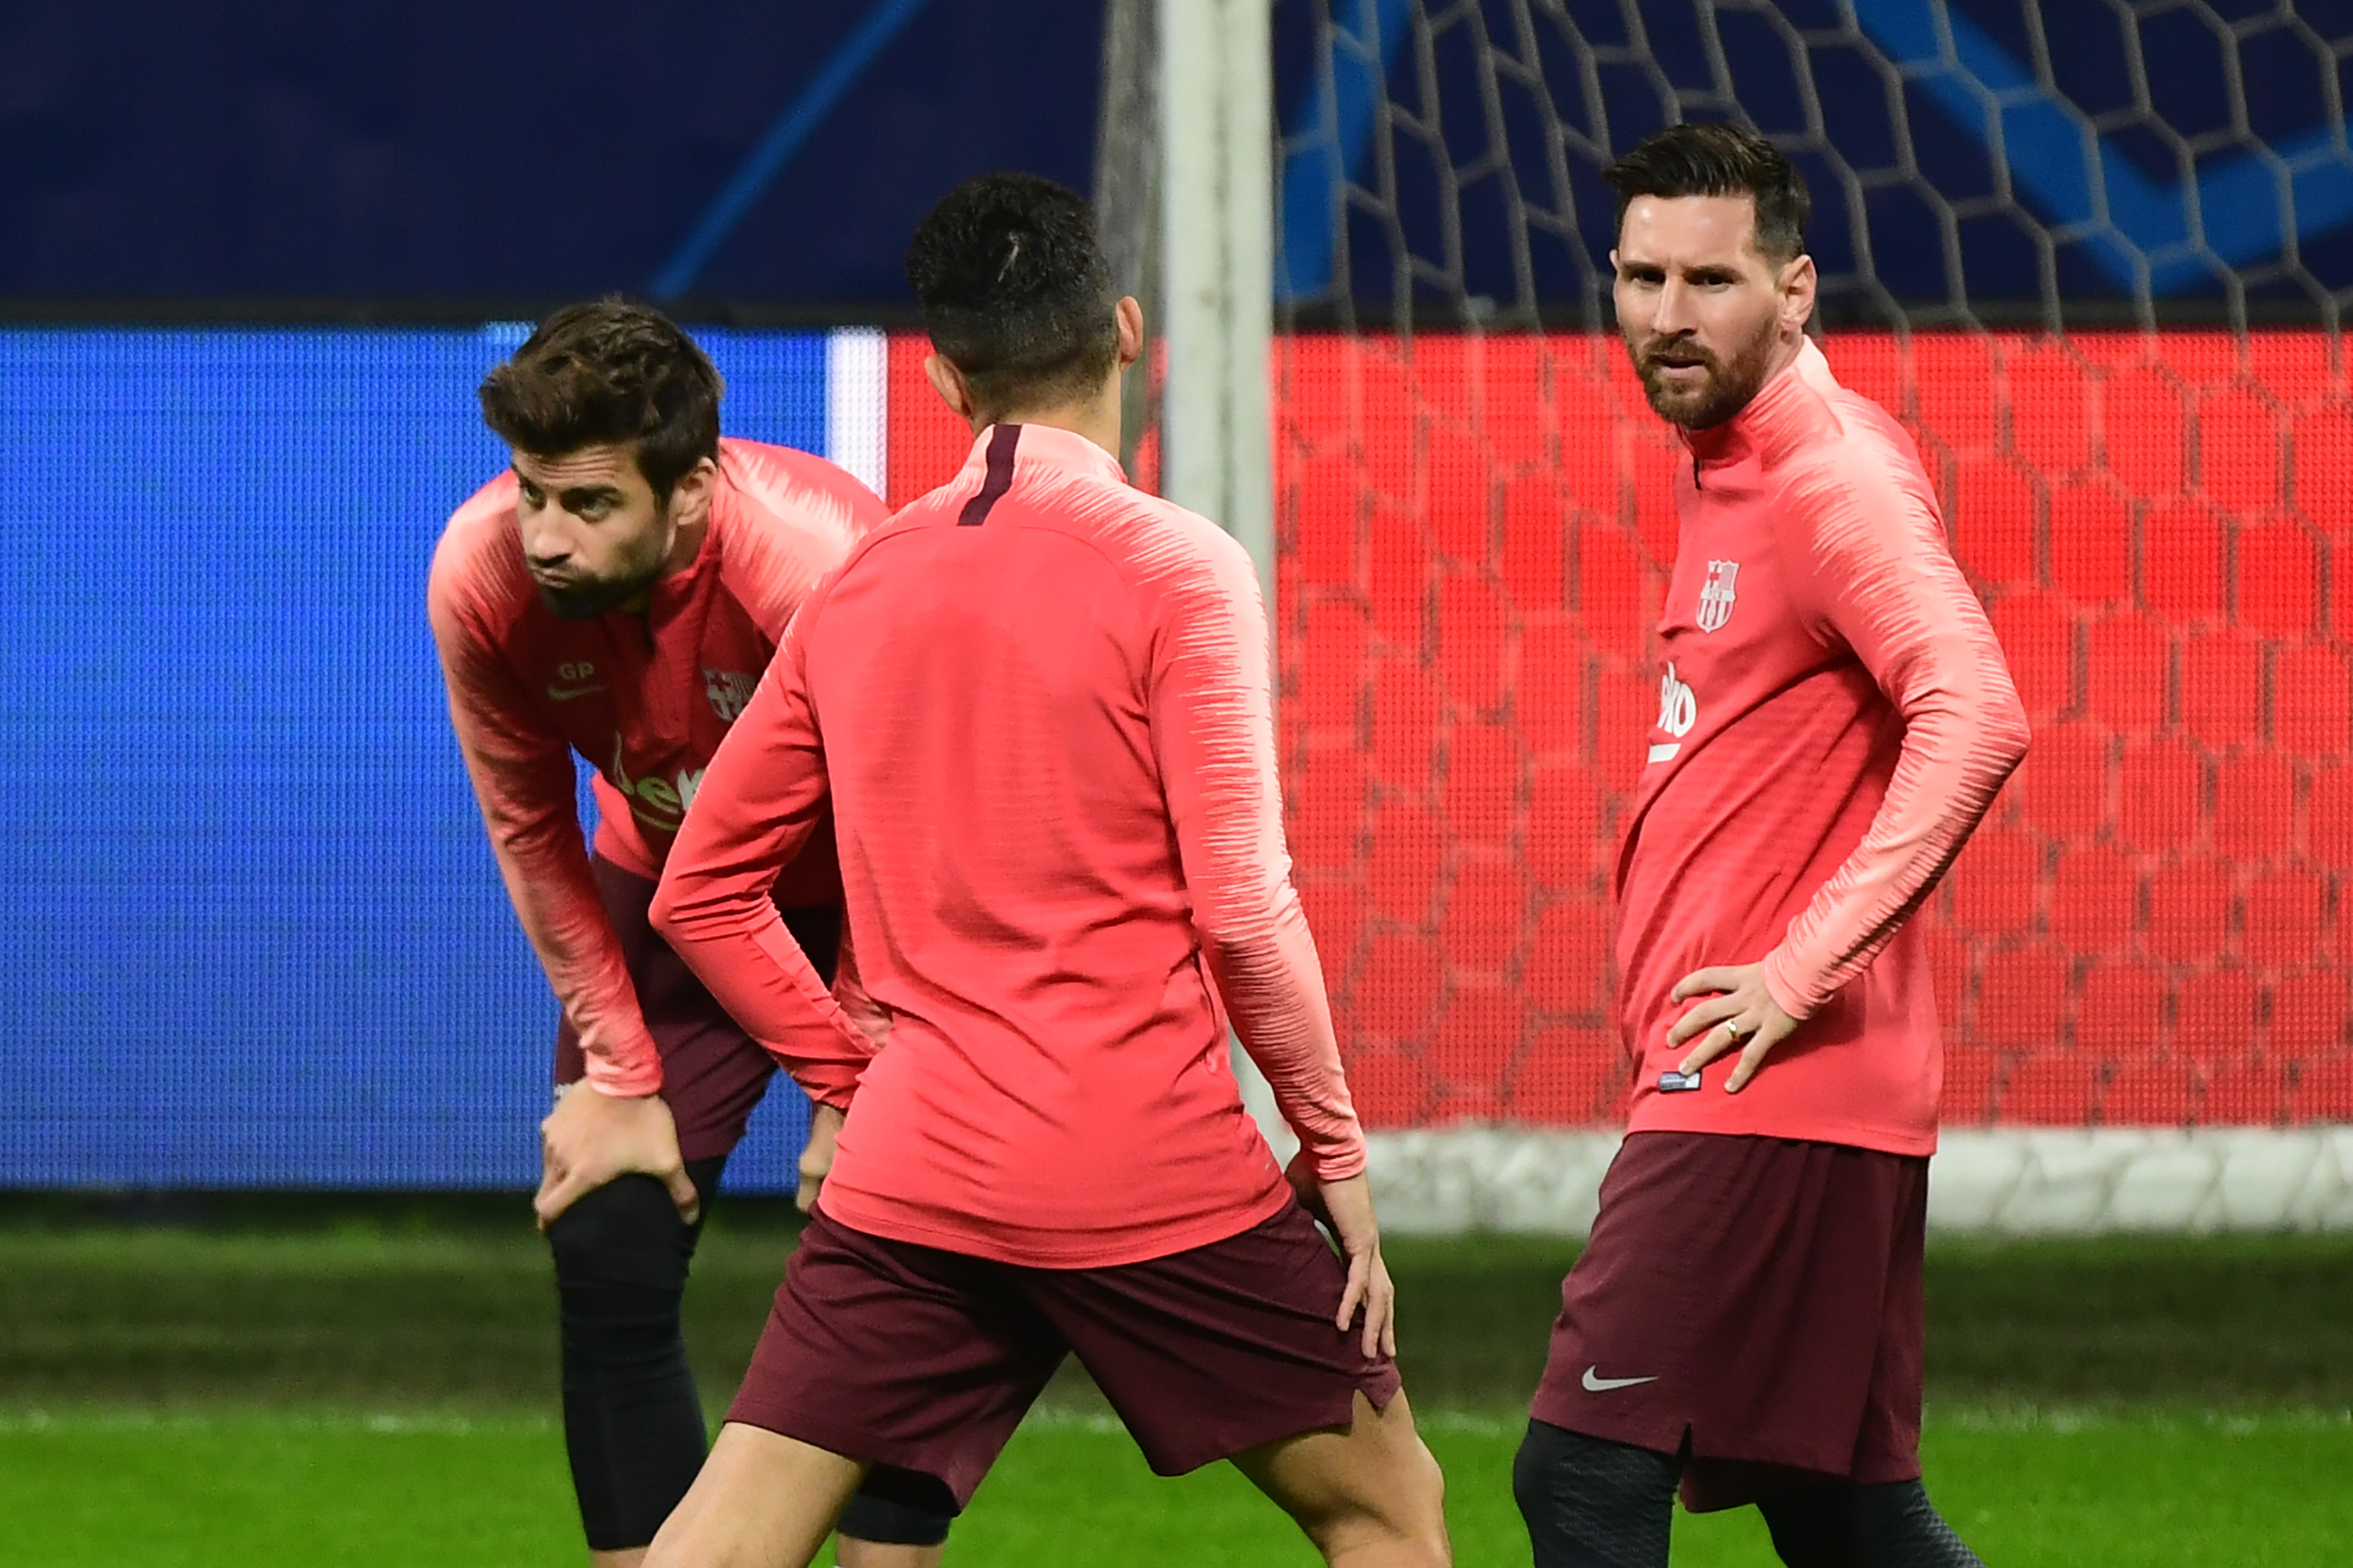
(1370, 1498)
(1403, 1522)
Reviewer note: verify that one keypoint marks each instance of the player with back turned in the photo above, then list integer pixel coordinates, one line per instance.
(1037, 704)
(615, 595)
(1834, 719)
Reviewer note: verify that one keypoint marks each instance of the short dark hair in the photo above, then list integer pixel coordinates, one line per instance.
(609, 373)
(1015, 291)
(1720, 159)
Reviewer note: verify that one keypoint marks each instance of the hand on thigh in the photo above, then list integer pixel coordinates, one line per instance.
(1370, 1496)
(763, 1501)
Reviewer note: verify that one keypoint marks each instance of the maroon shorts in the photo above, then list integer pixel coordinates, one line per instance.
(1755, 1299)
(714, 1074)
(924, 1360)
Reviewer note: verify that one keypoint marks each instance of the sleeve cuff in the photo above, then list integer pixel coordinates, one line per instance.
(1777, 985)
(1335, 1164)
(632, 1079)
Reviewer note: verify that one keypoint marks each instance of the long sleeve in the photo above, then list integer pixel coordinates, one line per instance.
(522, 775)
(1213, 729)
(762, 796)
(1883, 583)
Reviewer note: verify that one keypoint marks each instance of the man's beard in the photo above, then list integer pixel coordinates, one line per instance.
(1725, 392)
(588, 599)
(585, 598)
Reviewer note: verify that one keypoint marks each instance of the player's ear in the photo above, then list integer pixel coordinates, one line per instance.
(1799, 280)
(1130, 316)
(690, 499)
(954, 390)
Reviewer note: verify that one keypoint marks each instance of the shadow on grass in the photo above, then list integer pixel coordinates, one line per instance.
(446, 1302)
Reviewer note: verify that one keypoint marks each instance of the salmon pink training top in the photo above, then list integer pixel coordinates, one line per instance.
(644, 697)
(1037, 702)
(1834, 719)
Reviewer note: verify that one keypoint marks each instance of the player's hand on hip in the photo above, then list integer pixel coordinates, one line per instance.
(1738, 1009)
(1345, 1208)
(817, 1154)
(592, 1137)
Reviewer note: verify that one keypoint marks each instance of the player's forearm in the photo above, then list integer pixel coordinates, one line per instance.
(1267, 974)
(1965, 732)
(729, 933)
(762, 798)
(524, 782)
(556, 903)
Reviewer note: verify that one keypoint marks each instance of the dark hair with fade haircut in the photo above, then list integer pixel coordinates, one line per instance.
(609, 373)
(1720, 159)
(1016, 292)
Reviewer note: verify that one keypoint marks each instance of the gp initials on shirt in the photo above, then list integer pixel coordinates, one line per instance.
(1678, 712)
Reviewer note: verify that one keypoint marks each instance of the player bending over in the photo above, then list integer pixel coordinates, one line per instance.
(1037, 704)
(616, 595)
(1834, 718)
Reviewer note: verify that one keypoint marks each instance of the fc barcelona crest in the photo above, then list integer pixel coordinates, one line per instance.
(728, 690)
(1716, 594)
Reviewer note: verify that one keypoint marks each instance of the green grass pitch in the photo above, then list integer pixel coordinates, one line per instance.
(260, 1385)
(261, 1489)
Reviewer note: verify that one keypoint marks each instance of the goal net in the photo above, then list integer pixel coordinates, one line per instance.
(2096, 256)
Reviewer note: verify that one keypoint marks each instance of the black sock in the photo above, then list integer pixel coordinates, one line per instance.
(1812, 1527)
(1592, 1503)
(1900, 1528)
(1891, 1525)
(632, 1416)
(898, 1508)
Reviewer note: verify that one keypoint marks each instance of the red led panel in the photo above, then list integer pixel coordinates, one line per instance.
(2158, 926)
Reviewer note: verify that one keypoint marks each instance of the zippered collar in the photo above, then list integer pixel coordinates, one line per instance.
(1751, 429)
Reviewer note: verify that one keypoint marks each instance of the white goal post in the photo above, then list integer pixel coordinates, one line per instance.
(1184, 186)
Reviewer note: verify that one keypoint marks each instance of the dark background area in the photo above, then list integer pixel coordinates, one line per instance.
(441, 157)
(437, 150)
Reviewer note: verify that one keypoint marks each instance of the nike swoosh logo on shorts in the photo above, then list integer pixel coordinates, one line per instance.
(566, 693)
(1595, 1383)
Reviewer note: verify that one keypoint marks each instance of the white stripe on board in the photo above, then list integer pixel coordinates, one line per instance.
(2016, 1181)
(857, 402)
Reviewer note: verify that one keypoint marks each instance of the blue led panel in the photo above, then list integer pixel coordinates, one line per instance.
(251, 934)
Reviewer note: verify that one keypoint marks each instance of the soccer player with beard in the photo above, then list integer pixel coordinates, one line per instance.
(1834, 719)
(1037, 705)
(615, 594)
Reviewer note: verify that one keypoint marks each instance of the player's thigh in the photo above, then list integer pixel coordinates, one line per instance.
(1732, 1297)
(898, 1354)
(1222, 1347)
(1373, 1481)
(762, 1500)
